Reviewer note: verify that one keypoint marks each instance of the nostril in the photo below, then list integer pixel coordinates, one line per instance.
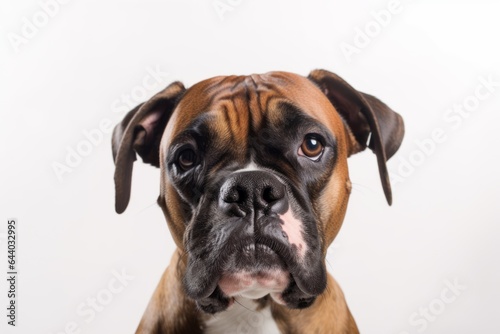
(272, 197)
(231, 196)
(235, 195)
(272, 194)
(268, 195)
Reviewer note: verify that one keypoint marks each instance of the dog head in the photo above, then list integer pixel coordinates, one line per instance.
(254, 177)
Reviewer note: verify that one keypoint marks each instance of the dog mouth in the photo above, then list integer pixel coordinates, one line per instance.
(257, 256)
(261, 248)
(255, 270)
(254, 255)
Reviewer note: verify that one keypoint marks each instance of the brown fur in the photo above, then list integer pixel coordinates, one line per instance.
(237, 103)
(169, 310)
(328, 314)
(169, 305)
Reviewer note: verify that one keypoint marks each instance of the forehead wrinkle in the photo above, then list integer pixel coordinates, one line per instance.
(201, 98)
(231, 124)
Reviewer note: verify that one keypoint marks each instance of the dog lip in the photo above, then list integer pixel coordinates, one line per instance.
(310, 279)
(255, 255)
(257, 246)
(194, 291)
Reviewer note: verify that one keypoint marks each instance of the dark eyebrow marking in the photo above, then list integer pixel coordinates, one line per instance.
(197, 129)
(299, 121)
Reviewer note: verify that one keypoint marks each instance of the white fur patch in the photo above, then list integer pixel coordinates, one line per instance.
(240, 318)
(252, 166)
(293, 228)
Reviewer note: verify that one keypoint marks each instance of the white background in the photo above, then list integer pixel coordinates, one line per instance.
(390, 261)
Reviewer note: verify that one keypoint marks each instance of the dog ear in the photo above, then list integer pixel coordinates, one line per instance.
(140, 132)
(367, 117)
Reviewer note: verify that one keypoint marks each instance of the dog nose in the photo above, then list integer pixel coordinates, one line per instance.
(245, 191)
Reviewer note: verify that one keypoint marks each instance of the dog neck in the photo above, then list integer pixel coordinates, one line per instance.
(244, 316)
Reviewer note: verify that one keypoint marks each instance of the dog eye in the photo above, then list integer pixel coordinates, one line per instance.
(186, 159)
(311, 147)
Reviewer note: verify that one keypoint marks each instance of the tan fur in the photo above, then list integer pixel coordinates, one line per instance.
(328, 314)
(169, 310)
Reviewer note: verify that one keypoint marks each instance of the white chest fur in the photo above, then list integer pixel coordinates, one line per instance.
(242, 318)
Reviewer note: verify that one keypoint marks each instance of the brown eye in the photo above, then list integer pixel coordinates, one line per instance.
(187, 159)
(311, 147)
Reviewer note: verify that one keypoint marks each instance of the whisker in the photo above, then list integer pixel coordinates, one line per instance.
(236, 301)
(362, 189)
(145, 208)
(329, 265)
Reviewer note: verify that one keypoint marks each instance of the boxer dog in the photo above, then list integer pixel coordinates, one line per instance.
(254, 187)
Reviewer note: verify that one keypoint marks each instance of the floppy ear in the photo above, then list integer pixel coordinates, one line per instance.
(140, 132)
(367, 117)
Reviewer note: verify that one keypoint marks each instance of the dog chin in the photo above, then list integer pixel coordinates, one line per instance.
(254, 284)
(257, 280)
(256, 271)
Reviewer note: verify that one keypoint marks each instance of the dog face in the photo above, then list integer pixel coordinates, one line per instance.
(254, 179)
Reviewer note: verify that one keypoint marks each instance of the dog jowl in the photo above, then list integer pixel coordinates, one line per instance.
(254, 186)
